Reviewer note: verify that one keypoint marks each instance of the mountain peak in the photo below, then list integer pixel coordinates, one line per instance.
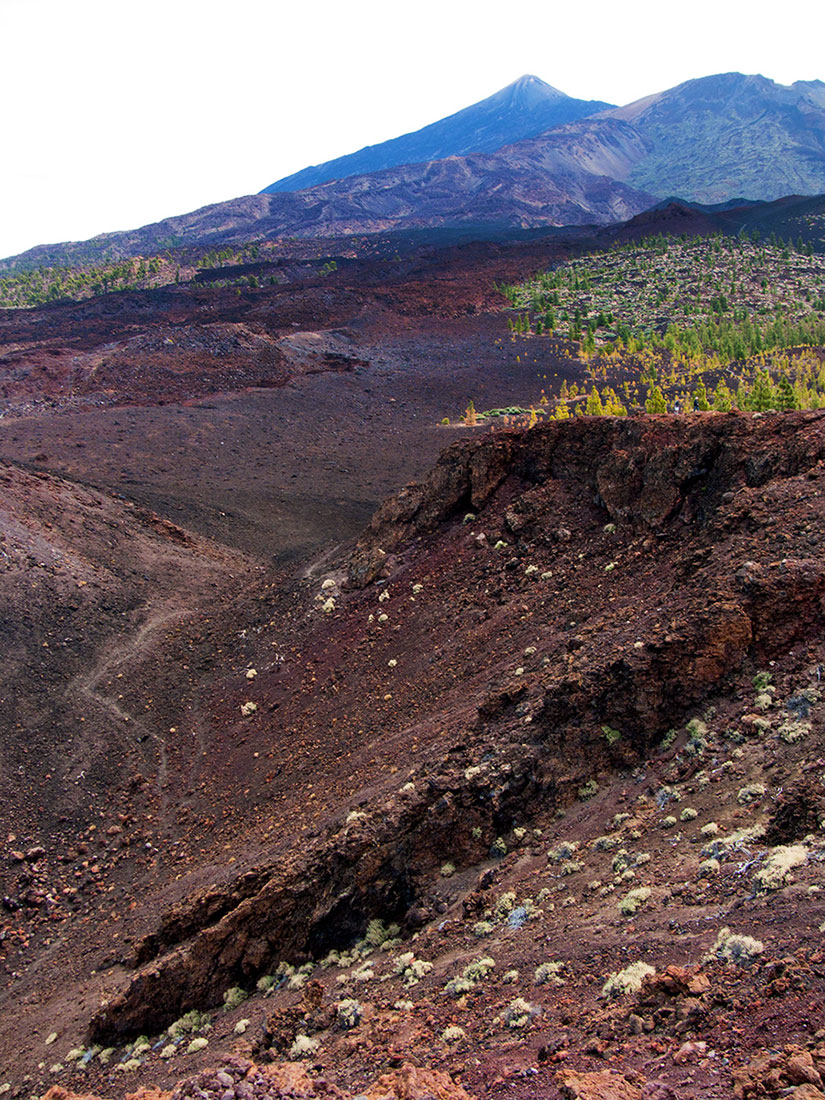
(529, 91)
(523, 109)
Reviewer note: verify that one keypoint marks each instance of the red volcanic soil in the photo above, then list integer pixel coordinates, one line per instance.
(575, 662)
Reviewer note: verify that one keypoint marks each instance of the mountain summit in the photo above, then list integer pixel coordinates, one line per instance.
(522, 110)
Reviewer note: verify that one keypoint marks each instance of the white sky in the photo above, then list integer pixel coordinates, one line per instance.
(116, 113)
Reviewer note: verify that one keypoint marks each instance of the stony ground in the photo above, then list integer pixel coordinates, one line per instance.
(479, 794)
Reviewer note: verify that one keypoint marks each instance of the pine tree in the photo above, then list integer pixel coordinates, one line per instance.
(594, 405)
(700, 397)
(722, 399)
(470, 417)
(762, 397)
(562, 411)
(655, 403)
(785, 397)
(612, 404)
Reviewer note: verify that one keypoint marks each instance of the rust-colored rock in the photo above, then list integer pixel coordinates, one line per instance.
(601, 1085)
(57, 1092)
(675, 981)
(412, 1083)
(775, 1072)
(291, 1080)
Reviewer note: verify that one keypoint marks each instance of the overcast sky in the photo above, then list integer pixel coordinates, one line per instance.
(117, 114)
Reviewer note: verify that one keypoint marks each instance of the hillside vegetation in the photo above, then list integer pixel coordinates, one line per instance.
(730, 320)
(52, 283)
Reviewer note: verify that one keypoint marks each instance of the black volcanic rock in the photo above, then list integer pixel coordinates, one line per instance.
(523, 109)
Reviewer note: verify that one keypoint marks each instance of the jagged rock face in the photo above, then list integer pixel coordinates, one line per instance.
(650, 558)
(644, 472)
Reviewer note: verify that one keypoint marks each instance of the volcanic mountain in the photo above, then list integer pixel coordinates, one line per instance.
(709, 140)
(524, 109)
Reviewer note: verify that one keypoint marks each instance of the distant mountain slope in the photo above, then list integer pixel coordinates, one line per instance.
(523, 109)
(712, 139)
(482, 189)
(794, 218)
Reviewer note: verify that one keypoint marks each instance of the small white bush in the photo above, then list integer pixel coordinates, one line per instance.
(549, 973)
(303, 1047)
(626, 981)
(778, 866)
(633, 901)
(452, 1034)
(733, 948)
(751, 793)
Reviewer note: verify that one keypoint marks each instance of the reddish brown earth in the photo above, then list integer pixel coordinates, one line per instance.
(418, 748)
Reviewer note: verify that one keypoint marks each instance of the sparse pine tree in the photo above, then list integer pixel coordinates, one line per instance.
(562, 411)
(722, 399)
(700, 397)
(594, 405)
(785, 397)
(612, 404)
(470, 417)
(762, 397)
(655, 403)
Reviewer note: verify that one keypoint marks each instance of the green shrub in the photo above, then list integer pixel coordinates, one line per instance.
(562, 851)
(233, 997)
(189, 1024)
(751, 793)
(519, 1013)
(479, 969)
(348, 1013)
(633, 901)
